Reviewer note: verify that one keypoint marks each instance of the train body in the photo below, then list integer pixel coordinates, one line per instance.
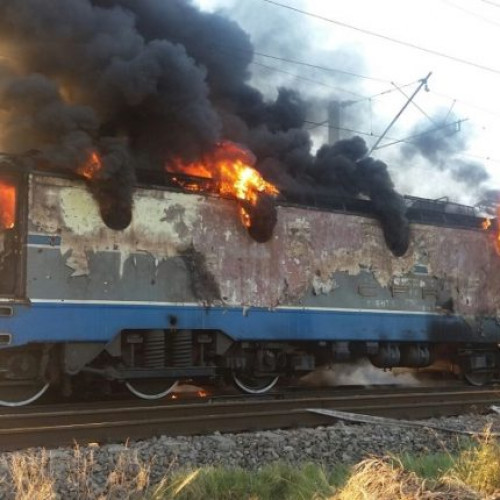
(184, 292)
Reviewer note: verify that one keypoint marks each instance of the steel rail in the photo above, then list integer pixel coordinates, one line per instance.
(81, 423)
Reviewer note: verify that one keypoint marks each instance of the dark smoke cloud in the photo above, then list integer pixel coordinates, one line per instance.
(146, 82)
(439, 143)
(489, 202)
(347, 172)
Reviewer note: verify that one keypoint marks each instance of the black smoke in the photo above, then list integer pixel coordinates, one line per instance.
(441, 143)
(146, 82)
(489, 202)
(262, 216)
(344, 169)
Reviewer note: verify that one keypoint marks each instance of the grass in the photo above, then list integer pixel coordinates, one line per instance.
(431, 466)
(276, 481)
(472, 474)
(479, 467)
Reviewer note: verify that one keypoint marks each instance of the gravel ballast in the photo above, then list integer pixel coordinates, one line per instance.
(339, 443)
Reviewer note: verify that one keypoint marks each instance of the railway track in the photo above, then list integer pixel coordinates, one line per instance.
(51, 426)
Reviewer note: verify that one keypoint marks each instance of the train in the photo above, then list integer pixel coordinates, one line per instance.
(185, 293)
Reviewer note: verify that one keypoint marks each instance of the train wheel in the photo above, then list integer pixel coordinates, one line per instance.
(254, 385)
(478, 378)
(151, 389)
(21, 393)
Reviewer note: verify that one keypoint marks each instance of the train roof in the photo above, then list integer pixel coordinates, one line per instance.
(440, 212)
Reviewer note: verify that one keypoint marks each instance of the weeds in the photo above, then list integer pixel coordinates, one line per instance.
(30, 477)
(472, 474)
(479, 467)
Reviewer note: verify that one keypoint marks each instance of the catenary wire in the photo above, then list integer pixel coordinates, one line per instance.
(489, 2)
(384, 92)
(466, 103)
(404, 141)
(413, 103)
(333, 87)
(322, 68)
(310, 80)
(297, 62)
(234, 50)
(471, 13)
(387, 38)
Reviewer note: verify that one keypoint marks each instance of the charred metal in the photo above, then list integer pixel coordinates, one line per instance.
(183, 292)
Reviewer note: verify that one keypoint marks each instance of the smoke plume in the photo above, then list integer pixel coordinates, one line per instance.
(152, 82)
(441, 143)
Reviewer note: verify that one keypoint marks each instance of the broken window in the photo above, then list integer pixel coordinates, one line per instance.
(8, 195)
(9, 241)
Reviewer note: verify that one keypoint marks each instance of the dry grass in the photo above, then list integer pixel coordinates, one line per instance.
(28, 477)
(479, 467)
(472, 475)
(32, 476)
(385, 479)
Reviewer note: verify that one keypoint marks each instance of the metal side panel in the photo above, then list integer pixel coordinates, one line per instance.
(189, 248)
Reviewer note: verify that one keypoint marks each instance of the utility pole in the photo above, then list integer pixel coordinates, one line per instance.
(423, 82)
(334, 117)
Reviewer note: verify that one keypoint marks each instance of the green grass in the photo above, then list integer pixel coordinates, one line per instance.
(470, 474)
(479, 467)
(273, 482)
(428, 466)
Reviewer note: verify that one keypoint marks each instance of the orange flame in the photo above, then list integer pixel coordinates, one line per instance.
(497, 235)
(90, 168)
(231, 166)
(486, 224)
(8, 199)
(188, 392)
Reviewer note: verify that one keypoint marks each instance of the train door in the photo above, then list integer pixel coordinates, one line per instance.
(11, 285)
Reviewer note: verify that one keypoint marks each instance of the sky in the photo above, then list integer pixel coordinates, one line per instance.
(464, 29)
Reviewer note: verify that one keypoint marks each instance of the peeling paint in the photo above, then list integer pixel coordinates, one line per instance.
(323, 285)
(315, 257)
(162, 224)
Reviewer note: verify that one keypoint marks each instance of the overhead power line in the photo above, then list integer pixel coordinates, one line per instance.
(310, 80)
(471, 13)
(422, 84)
(234, 50)
(378, 136)
(404, 141)
(407, 140)
(469, 104)
(414, 103)
(384, 92)
(489, 2)
(334, 87)
(323, 68)
(388, 38)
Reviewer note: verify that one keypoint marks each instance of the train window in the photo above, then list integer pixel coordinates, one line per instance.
(9, 238)
(8, 200)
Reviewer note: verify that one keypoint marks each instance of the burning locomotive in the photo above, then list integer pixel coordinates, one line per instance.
(140, 243)
(185, 292)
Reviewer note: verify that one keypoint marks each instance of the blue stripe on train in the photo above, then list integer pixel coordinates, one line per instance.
(63, 321)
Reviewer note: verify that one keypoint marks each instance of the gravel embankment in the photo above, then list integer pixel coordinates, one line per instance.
(90, 467)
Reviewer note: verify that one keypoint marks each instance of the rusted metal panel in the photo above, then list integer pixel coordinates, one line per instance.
(187, 247)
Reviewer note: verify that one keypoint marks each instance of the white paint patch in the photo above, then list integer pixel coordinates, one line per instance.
(161, 227)
(79, 210)
(323, 286)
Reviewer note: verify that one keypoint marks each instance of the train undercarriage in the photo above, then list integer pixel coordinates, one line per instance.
(151, 363)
